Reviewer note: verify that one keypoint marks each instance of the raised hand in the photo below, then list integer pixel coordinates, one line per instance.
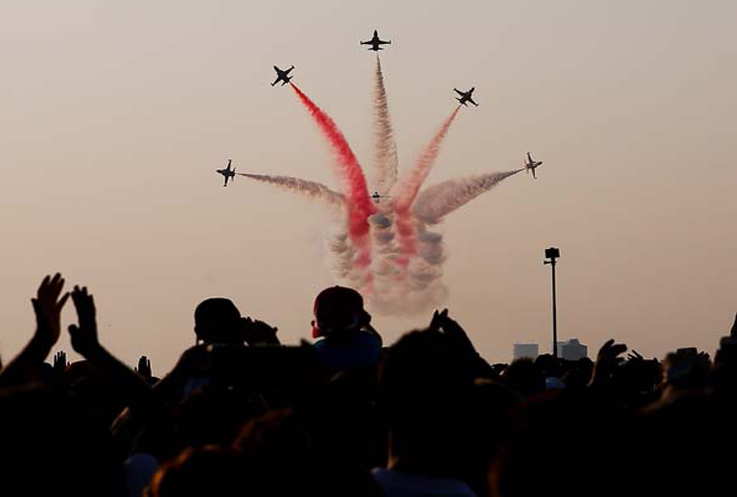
(634, 356)
(606, 360)
(60, 363)
(609, 352)
(84, 335)
(450, 327)
(144, 368)
(47, 305)
(436, 321)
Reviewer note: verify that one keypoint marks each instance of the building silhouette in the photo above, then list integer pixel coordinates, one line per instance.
(572, 350)
(525, 350)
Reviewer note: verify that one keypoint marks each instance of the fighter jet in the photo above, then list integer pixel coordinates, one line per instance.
(531, 165)
(375, 42)
(376, 196)
(466, 96)
(282, 76)
(227, 173)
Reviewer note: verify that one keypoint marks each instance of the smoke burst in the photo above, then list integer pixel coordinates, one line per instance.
(391, 251)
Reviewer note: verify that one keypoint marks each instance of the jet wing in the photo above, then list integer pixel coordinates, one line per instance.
(459, 92)
(472, 101)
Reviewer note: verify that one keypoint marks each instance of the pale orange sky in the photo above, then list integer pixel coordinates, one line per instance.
(114, 118)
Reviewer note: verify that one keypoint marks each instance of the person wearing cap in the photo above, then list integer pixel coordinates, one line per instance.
(342, 328)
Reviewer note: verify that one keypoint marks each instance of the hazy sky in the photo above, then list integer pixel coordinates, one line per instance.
(115, 116)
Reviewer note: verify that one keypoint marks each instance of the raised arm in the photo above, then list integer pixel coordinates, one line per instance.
(132, 387)
(47, 306)
(606, 362)
(442, 322)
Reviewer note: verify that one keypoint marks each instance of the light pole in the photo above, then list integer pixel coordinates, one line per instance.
(552, 254)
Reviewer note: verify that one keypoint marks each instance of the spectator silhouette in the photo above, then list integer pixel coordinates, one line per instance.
(267, 420)
(524, 377)
(566, 443)
(342, 327)
(426, 393)
(48, 442)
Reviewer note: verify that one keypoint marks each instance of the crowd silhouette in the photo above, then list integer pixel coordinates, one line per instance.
(242, 415)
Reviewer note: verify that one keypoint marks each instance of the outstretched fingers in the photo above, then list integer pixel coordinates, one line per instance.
(85, 305)
(47, 306)
(610, 350)
(84, 335)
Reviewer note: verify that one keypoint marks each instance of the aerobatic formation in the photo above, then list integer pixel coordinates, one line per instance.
(386, 243)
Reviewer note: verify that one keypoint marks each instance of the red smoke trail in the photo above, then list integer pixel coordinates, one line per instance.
(408, 192)
(358, 201)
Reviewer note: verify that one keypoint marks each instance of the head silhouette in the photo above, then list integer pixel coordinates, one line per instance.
(218, 320)
(336, 309)
(426, 391)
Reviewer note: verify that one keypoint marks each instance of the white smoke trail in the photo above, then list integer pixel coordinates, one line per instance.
(383, 266)
(312, 189)
(439, 200)
(385, 151)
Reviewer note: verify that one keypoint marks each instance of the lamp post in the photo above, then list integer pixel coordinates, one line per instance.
(551, 256)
